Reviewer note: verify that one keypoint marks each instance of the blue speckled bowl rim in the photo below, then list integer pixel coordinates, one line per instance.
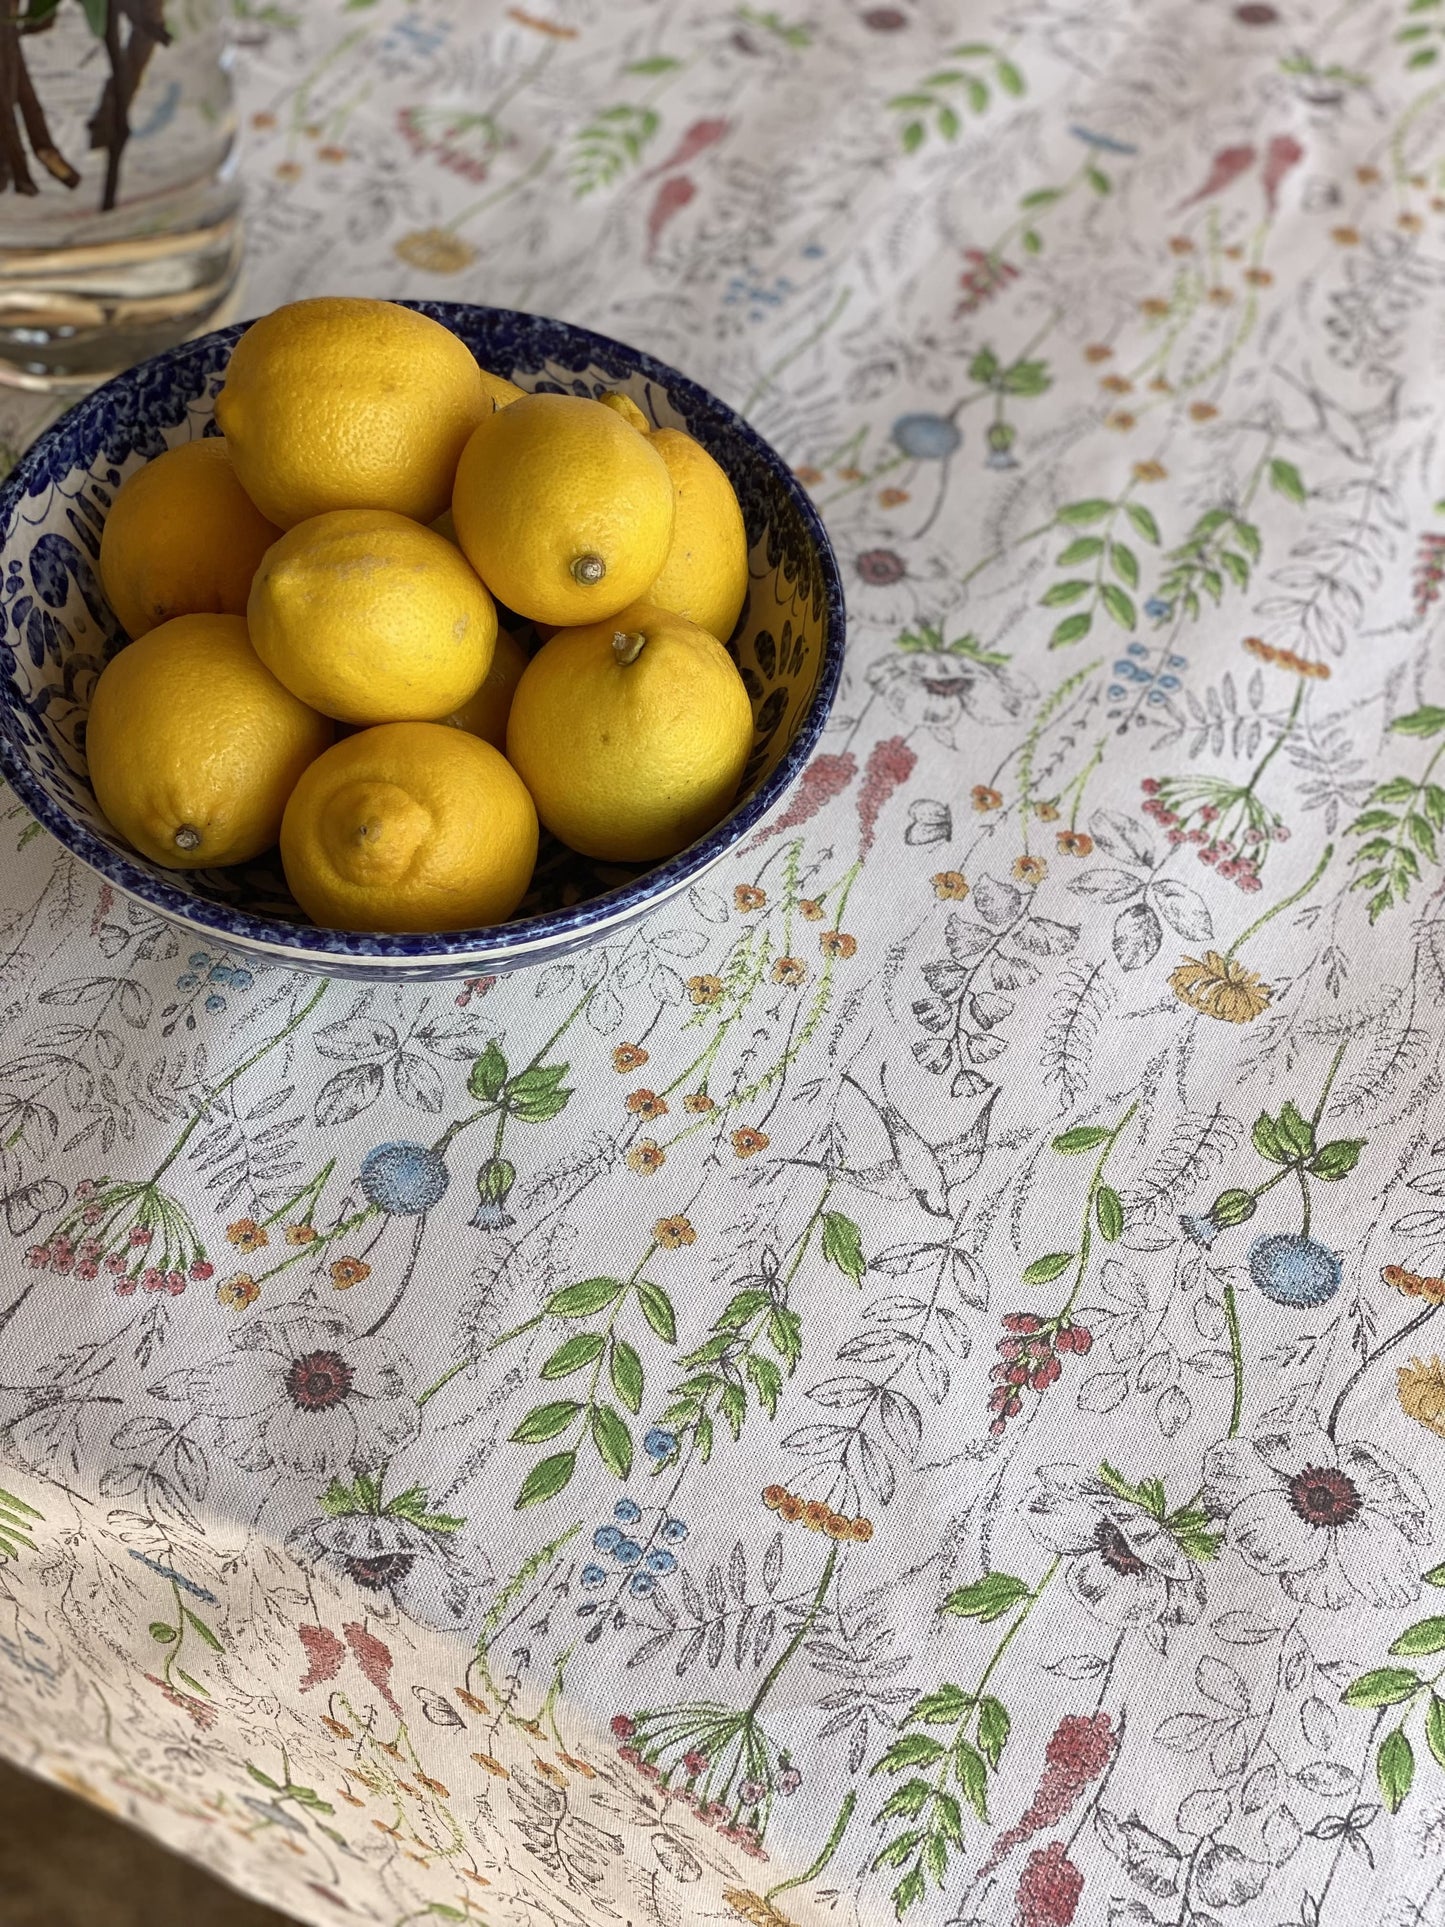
(529, 933)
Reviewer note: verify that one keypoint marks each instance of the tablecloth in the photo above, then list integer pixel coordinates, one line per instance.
(911, 1383)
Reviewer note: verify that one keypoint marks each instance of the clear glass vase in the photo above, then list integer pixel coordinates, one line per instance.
(120, 223)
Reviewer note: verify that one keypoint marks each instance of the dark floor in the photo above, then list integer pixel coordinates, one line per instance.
(63, 1864)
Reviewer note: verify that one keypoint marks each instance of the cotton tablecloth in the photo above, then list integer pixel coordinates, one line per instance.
(911, 1383)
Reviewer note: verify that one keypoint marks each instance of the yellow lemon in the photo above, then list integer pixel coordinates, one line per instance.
(410, 826)
(485, 714)
(705, 575)
(182, 538)
(372, 618)
(563, 508)
(631, 734)
(194, 746)
(345, 403)
(627, 408)
(499, 391)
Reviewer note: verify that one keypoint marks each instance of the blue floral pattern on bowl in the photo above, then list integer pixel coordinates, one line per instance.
(57, 633)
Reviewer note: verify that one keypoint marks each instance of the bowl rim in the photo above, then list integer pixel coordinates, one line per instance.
(249, 928)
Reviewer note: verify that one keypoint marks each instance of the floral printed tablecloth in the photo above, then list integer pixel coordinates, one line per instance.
(911, 1384)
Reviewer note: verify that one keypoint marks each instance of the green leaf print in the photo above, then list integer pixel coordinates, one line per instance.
(1395, 1768)
(546, 1479)
(546, 1421)
(1385, 1686)
(843, 1245)
(1044, 1270)
(612, 1439)
(1425, 1636)
(988, 1598)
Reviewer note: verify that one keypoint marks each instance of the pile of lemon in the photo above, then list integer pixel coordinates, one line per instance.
(312, 598)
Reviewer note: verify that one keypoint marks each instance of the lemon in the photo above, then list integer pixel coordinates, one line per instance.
(371, 618)
(410, 826)
(194, 746)
(182, 538)
(563, 508)
(627, 408)
(344, 403)
(705, 575)
(485, 714)
(499, 391)
(631, 734)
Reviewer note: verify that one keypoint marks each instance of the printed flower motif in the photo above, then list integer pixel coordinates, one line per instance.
(747, 896)
(1074, 843)
(1332, 1522)
(984, 799)
(705, 989)
(628, 1057)
(418, 1570)
(810, 908)
(837, 943)
(699, 1103)
(747, 1141)
(1432, 1290)
(1030, 869)
(1286, 659)
(791, 971)
(247, 1235)
(347, 1272)
(645, 1103)
(238, 1292)
(1048, 1893)
(1421, 1390)
(1220, 987)
(436, 250)
(949, 886)
(301, 1234)
(646, 1157)
(1124, 1565)
(939, 689)
(673, 1233)
(1149, 472)
(303, 1392)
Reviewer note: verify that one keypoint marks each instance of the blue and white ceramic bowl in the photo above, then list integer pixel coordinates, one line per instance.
(56, 633)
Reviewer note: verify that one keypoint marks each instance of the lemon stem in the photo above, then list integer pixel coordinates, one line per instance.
(588, 569)
(627, 648)
(187, 837)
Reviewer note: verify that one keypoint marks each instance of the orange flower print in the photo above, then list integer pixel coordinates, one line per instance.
(950, 886)
(1149, 472)
(837, 943)
(645, 1103)
(808, 475)
(1098, 351)
(1047, 812)
(238, 1292)
(892, 498)
(1121, 419)
(1421, 1389)
(1258, 277)
(436, 250)
(628, 1057)
(1180, 244)
(470, 1700)
(983, 798)
(1117, 385)
(1345, 237)
(747, 1141)
(1220, 296)
(705, 989)
(699, 1103)
(492, 1765)
(347, 1272)
(810, 908)
(335, 1726)
(301, 1234)
(247, 1235)
(1202, 411)
(1074, 843)
(1154, 307)
(1432, 1290)
(747, 896)
(1030, 869)
(791, 971)
(673, 1233)
(646, 1157)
